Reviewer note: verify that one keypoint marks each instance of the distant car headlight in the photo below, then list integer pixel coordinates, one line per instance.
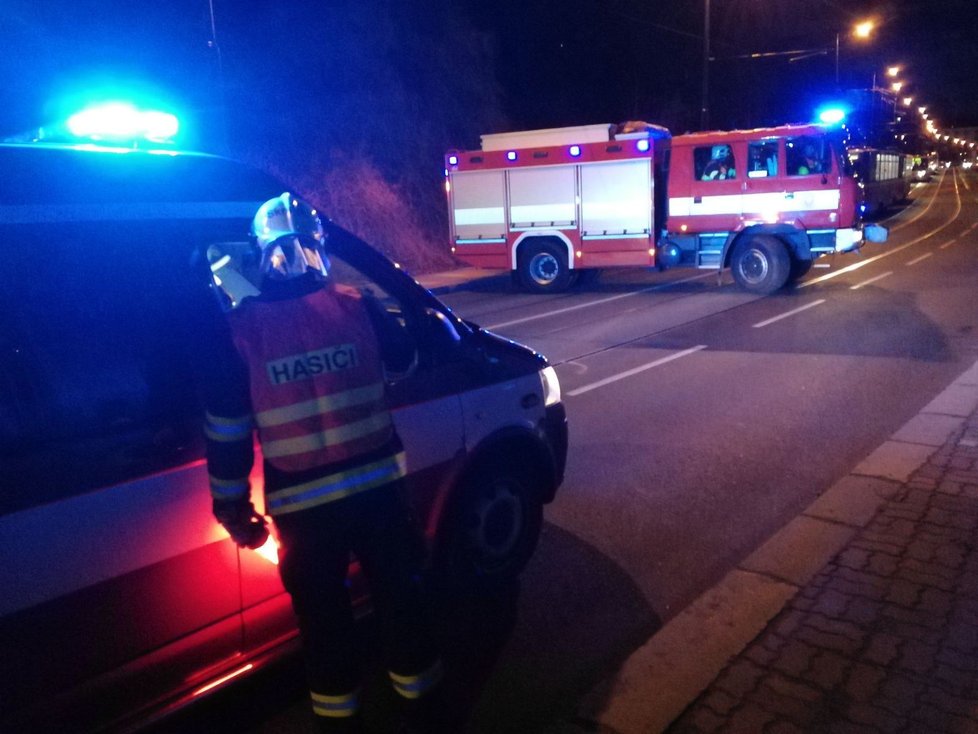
(551, 386)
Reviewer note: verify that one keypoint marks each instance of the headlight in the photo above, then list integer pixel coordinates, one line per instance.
(551, 386)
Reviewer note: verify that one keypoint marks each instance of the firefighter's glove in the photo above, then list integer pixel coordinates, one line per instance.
(245, 526)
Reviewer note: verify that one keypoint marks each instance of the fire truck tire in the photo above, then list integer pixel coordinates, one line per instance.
(799, 268)
(760, 264)
(491, 530)
(543, 268)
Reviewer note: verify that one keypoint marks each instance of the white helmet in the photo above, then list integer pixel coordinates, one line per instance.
(290, 236)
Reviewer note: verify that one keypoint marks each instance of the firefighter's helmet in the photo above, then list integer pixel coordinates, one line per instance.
(290, 237)
(720, 152)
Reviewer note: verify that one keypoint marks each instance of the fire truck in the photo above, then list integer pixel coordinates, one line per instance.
(554, 205)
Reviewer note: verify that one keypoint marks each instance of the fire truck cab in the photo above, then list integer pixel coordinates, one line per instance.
(552, 204)
(763, 202)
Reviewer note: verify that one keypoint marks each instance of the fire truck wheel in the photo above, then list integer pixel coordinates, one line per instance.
(543, 269)
(760, 264)
(491, 531)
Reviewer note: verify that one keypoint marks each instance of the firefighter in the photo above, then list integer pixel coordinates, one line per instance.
(721, 164)
(303, 364)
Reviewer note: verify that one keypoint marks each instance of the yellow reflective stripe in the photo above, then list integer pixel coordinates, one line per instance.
(415, 686)
(335, 706)
(225, 430)
(336, 486)
(330, 437)
(228, 488)
(319, 406)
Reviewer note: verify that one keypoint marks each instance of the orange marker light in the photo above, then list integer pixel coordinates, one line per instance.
(269, 551)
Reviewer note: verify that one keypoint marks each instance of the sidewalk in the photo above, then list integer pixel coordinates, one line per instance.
(860, 615)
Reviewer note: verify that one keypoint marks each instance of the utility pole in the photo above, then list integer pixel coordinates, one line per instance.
(705, 108)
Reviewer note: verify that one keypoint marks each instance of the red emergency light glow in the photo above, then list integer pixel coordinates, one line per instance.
(269, 551)
(223, 679)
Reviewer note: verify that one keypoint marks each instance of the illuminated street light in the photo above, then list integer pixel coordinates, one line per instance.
(896, 86)
(922, 110)
(864, 29)
(907, 101)
(892, 70)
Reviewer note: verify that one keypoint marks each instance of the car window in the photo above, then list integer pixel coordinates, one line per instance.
(95, 384)
(807, 154)
(714, 163)
(762, 158)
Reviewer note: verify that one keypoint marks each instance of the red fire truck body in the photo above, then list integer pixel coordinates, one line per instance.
(551, 204)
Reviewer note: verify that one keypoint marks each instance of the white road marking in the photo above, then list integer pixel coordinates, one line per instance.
(922, 257)
(895, 250)
(559, 311)
(634, 371)
(807, 306)
(871, 280)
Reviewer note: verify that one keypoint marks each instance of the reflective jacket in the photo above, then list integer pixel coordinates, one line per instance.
(316, 385)
(316, 378)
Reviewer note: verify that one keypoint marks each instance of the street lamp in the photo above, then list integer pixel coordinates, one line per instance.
(704, 109)
(861, 31)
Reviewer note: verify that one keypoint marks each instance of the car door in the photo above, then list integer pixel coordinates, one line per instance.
(716, 187)
(764, 192)
(117, 582)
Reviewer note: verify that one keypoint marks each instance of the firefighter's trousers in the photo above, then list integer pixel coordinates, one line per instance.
(316, 546)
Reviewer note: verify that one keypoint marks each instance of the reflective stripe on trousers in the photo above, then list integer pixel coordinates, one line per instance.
(415, 686)
(335, 707)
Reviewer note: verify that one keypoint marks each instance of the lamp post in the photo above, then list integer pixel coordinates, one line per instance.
(704, 108)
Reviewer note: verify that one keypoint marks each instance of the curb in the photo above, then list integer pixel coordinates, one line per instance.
(658, 681)
(449, 281)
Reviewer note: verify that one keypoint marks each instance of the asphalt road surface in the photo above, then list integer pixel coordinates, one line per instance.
(702, 420)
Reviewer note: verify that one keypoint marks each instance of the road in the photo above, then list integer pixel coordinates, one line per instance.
(702, 420)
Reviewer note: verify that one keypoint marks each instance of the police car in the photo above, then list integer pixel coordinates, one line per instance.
(123, 599)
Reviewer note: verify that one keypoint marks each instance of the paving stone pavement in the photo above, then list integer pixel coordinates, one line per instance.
(885, 637)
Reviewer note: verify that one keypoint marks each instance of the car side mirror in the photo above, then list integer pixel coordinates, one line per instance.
(440, 331)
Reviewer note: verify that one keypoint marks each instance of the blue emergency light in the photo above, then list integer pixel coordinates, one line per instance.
(832, 115)
(122, 122)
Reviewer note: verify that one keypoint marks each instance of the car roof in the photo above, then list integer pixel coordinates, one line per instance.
(48, 174)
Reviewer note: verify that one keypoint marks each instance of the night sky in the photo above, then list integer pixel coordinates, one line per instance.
(556, 62)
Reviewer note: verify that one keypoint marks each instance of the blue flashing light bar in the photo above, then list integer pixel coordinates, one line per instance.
(832, 115)
(575, 151)
(121, 121)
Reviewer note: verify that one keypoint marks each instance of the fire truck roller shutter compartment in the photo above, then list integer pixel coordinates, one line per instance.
(616, 199)
(479, 212)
